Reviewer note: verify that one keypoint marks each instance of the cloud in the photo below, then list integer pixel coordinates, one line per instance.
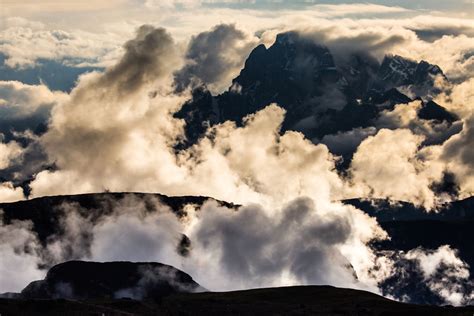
(444, 273)
(407, 116)
(215, 57)
(124, 119)
(100, 45)
(458, 153)
(347, 142)
(387, 165)
(9, 193)
(171, 4)
(25, 42)
(58, 7)
(147, 57)
(24, 114)
(339, 10)
(17, 249)
(26, 107)
(300, 243)
(117, 238)
(8, 152)
(458, 98)
(109, 112)
(213, 167)
(266, 166)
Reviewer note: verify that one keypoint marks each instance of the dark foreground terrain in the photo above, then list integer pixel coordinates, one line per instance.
(303, 300)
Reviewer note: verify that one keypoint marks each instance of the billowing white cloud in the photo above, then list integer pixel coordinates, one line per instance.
(18, 247)
(458, 153)
(8, 152)
(24, 42)
(387, 166)
(20, 101)
(444, 272)
(9, 193)
(406, 116)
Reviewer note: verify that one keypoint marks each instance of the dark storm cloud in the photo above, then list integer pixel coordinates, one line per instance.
(214, 55)
(434, 32)
(148, 56)
(347, 142)
(251, 245)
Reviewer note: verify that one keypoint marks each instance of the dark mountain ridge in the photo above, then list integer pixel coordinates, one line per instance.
(321, 97)
(45, 212)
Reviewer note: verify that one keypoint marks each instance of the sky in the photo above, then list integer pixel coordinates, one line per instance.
(87, 102)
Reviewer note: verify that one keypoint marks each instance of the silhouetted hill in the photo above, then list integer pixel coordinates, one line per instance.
(81, 280)
(302, 300)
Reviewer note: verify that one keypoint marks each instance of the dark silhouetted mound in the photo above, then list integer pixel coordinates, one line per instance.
(112, 280)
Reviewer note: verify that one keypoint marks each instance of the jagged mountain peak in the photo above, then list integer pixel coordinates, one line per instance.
(290, 59)
(396, 71)
(320, 96)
